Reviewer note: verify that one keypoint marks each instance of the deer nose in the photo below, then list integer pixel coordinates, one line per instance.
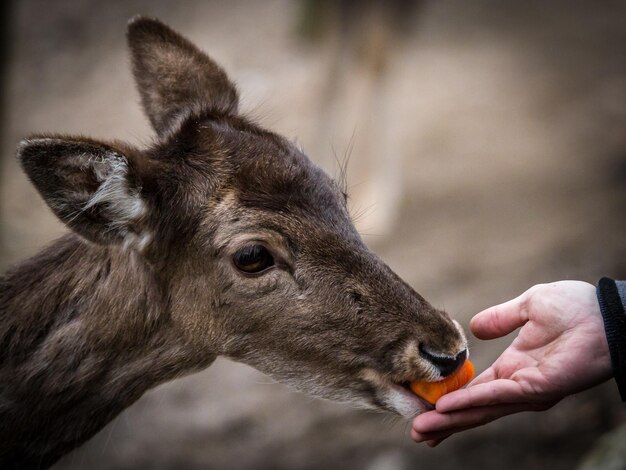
(444, 363)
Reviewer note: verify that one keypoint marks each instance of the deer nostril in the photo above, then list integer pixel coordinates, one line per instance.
(445, 364)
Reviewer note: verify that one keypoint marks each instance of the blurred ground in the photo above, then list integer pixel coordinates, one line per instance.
(488, 154)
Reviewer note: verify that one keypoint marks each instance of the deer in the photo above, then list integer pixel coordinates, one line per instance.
(221, 238)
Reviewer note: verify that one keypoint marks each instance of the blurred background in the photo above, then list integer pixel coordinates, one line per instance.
(487, 153)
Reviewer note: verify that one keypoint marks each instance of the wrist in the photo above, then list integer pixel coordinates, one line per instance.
(612, 298)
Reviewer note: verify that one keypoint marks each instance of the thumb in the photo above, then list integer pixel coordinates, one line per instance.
(500, 320)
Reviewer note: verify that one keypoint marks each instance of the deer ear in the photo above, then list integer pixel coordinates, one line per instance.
(174, 77)
(91, 186)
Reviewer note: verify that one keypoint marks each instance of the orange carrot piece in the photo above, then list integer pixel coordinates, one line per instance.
(433, 391)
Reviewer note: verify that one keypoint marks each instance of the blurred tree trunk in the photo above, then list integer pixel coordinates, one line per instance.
(5, 34)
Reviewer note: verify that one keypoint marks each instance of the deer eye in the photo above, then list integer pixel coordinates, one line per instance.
(253, 259)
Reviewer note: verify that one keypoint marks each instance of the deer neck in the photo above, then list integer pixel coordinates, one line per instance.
(84, 332)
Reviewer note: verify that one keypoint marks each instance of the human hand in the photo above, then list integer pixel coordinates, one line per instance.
(561, 349)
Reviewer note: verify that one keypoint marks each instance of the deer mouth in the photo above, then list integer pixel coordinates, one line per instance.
(396, 397)
(409, 396)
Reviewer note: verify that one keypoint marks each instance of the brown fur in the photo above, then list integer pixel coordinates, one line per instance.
(145, 289)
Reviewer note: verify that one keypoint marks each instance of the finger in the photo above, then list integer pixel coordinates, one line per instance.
(435, 438)
(449, 423)
(485, 376)
(434, 442)
(493, 392)
(500, 320)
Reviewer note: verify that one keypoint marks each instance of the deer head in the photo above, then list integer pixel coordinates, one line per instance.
(252, 242)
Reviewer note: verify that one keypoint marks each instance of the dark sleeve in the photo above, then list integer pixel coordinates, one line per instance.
(612, 299)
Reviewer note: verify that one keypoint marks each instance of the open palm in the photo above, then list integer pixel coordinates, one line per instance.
(561, 349)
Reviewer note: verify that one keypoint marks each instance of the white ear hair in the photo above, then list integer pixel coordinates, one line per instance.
(122, 204)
